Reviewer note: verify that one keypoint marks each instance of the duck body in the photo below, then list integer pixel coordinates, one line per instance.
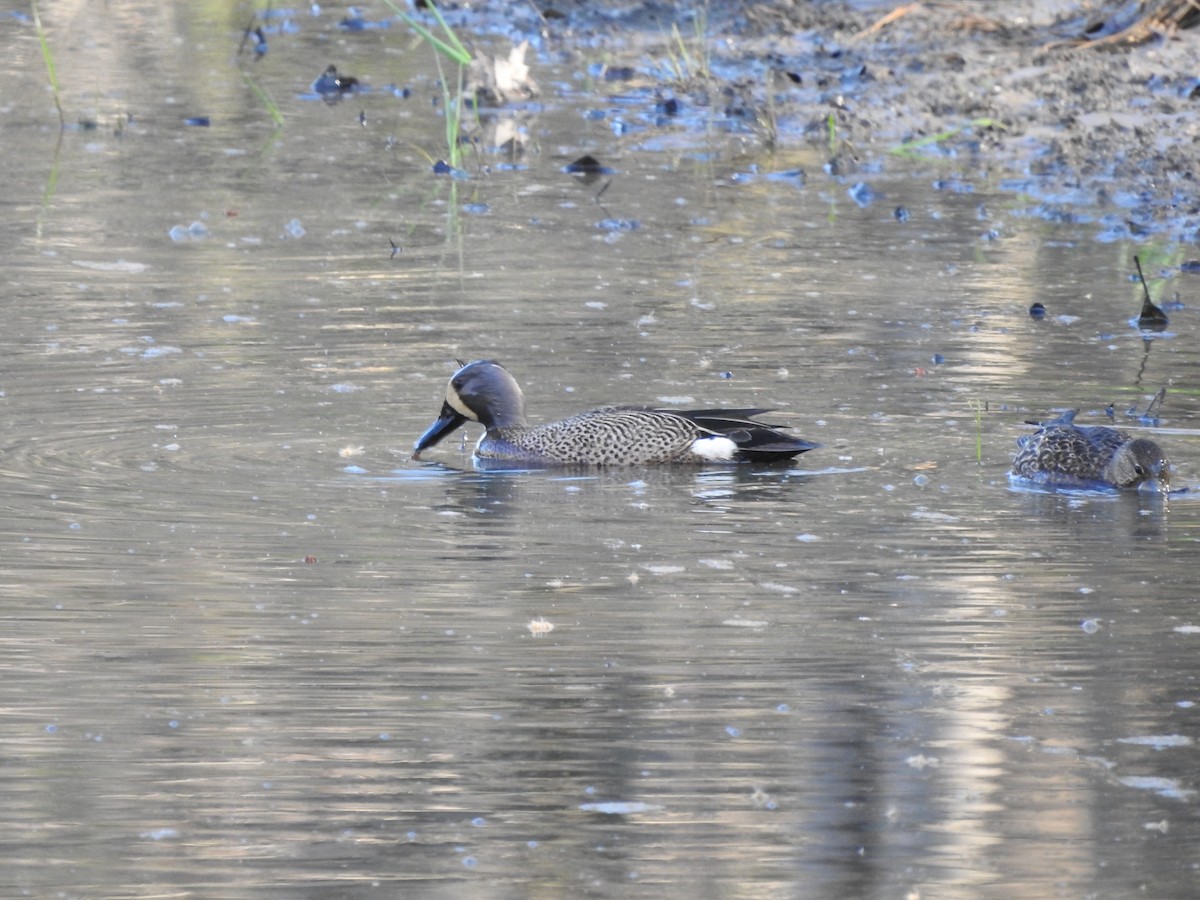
(483, 391)
(333, 84)
(1063, 454)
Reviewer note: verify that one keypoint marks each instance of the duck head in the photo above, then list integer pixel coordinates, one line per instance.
(481, 391)
(1137, 462)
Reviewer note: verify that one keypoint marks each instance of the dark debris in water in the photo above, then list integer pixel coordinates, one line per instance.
(618, 225)
(616, 73)
(441, 167)
(1151, 318)
(668, 106)
(862, 194)
(587, 165)
(256, 37)
(789, 176)
(752, 174)
(954, 186)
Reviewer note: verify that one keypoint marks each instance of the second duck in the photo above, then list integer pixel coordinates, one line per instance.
(483, 391)
(1063, 454)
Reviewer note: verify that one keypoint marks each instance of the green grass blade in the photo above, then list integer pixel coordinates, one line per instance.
(464, 56)
(454, 50)
(265, 99)
(48, 59)
(978, 408)
(910, 147)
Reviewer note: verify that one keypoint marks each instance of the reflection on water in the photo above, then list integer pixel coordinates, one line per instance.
(250, 648)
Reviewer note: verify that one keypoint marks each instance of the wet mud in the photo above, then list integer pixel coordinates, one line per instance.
(1081, 112)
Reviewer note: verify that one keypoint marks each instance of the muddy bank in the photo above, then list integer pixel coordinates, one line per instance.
(1023, 98)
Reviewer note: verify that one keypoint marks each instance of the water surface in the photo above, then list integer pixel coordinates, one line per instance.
(251, 648)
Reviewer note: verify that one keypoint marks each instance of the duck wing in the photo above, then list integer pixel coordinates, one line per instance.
(757, 441)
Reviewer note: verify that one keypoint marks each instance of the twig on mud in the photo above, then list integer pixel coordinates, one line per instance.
(1158, 18)
(879, 24)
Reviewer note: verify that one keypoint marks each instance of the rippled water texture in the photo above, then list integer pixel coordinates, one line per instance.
(251, 649)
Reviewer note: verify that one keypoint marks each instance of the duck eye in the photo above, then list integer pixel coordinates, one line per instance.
(1139, 471)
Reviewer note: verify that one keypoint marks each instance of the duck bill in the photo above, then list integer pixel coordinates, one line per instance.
(447, 421)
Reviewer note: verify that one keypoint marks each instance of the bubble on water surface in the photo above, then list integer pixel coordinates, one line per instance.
(617, 807)
(1158, 741)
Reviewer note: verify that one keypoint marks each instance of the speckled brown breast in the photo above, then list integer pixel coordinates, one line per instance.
(1068, 453)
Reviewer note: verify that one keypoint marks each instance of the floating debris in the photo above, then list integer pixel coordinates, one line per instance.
(794, 176)
(610, 73)
(1164, 787)
(441, 167)
(128, 268)
(254, 32)
(618, 225)
(618, 807)
(862, 194)
(587, 165)
(501, 79)
(1158, 741)
(668, 106)
(1037, 311)
(195, 232)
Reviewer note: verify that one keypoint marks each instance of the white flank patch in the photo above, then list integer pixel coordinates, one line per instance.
(716, 448)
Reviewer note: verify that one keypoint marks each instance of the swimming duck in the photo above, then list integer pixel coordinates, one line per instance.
(333, 84)
(1063, 454)
(483, 391)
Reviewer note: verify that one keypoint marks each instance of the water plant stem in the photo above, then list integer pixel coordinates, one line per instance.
(48, 59)
(265, 99)
(687, 66)
(452, 49)
(978, 407)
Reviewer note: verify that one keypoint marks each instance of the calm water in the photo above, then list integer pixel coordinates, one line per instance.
(251, 649)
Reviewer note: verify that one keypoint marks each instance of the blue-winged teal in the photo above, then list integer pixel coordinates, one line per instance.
(333, 84)
(1063, 454)
(483, 391)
